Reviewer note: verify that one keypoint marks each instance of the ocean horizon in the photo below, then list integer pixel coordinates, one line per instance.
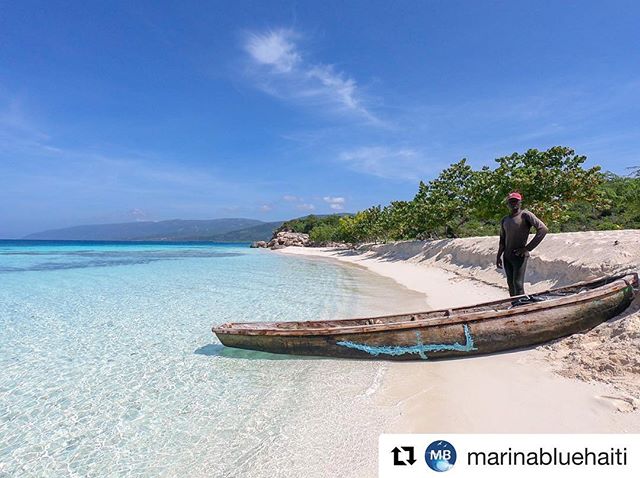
(27, 242)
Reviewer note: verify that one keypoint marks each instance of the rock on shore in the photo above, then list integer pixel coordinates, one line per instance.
(285, 239)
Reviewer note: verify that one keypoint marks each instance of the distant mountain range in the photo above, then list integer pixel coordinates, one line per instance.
(216, 230)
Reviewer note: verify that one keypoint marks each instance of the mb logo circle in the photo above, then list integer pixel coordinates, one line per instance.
(440, 456)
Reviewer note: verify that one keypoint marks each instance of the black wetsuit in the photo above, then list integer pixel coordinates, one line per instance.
(514, 232)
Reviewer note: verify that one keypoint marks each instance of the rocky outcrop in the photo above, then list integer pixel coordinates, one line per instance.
(285, 239)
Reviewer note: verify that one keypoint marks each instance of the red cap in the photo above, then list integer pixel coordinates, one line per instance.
(514, 195)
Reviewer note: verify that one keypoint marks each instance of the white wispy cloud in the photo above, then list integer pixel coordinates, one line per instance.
(384, 162)
(265, 208)
(274, 48)
(282, 69)
(17, 131)
(27, 151)
(335, 202)
(138, 214)
(64, 185)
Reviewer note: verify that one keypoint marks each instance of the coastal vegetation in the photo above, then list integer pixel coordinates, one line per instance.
(463, 202)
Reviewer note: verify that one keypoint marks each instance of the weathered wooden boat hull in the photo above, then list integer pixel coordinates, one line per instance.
(482, 329)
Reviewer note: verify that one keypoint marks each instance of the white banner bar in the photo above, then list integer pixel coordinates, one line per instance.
(494, 456)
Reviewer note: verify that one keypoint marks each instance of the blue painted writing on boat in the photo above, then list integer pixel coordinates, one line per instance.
(419, 348)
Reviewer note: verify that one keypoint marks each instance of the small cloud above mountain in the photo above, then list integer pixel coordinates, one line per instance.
(336, 203)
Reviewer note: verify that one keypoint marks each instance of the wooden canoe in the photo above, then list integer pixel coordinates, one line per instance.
(484, 328)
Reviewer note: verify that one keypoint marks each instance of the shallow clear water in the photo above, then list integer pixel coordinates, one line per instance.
(109, 367)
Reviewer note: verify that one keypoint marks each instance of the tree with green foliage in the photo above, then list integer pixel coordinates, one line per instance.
(398, 221)
(307, 223)
(552, 182)
(324, 233)
(363, 226)
(463, 202)
(446, 203)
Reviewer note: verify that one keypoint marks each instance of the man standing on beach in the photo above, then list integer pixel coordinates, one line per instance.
(514, 232)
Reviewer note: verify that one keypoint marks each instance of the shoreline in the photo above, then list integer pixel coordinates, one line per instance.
(515, 392)
(413, 276)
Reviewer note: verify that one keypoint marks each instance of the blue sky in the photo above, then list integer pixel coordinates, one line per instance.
(122, 111)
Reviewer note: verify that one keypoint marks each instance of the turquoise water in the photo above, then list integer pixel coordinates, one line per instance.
(109, 367)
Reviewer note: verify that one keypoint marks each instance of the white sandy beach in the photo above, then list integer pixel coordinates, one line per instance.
(584, 383)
